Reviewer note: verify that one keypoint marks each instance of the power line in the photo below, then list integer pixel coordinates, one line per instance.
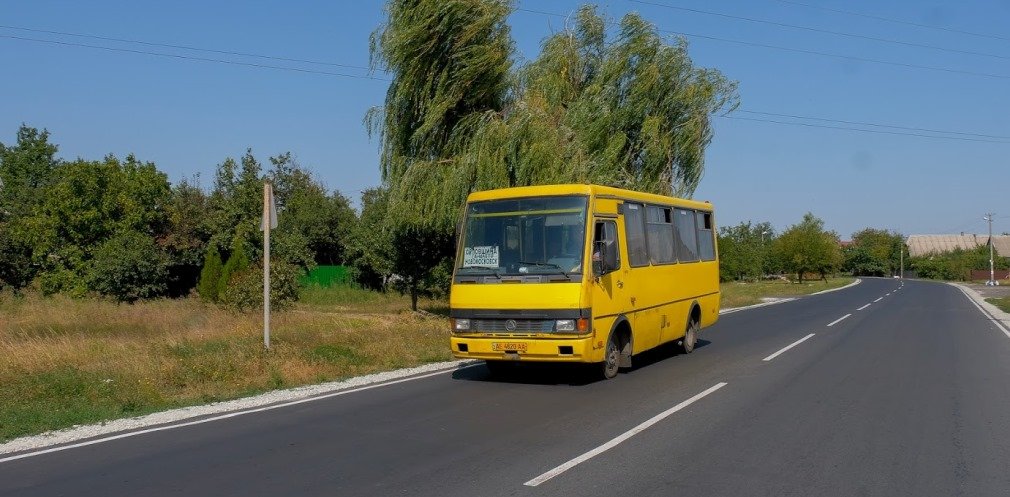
(876, 125)
(818, 30)
(873, 131)
(895, 21)
(185, 47)
(810, 52)
(190, 57)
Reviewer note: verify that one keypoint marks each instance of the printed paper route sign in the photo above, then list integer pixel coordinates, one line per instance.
(480, 256)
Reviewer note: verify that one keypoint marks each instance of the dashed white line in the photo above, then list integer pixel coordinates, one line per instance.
(878, 299)
(620, 438)
(863, 307)
(787, 347)
(839, 320)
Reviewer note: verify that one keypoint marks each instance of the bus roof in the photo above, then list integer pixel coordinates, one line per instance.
(584, 189)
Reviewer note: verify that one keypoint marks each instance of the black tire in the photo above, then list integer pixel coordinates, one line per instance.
(690, 337)
(611, 359)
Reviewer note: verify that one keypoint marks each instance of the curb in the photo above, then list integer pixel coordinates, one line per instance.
(854, 283)
(243, 405)
(731, 310)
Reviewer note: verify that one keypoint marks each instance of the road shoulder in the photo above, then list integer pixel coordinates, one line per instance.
(993, 311)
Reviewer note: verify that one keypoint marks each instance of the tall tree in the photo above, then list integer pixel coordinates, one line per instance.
(807, 248)
(874, 252)
(631, 111)
(26, 169)
(744, 250)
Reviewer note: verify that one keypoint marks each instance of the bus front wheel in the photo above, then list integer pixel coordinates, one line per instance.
(611, 358)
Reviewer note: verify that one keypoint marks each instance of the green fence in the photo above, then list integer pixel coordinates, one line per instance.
(327, 276)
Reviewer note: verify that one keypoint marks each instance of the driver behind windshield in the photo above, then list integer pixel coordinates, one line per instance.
(566, 253)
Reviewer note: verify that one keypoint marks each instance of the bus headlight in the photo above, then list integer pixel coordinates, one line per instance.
(461, 324)
(564, 325)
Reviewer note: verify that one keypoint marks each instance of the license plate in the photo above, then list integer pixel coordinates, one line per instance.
(508, 346)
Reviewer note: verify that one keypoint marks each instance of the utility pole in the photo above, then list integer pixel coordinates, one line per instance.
(901, 250)
(992, 269)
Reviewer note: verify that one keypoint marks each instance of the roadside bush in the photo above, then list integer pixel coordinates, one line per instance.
(210, 276)
(128, 266)
(244, 289)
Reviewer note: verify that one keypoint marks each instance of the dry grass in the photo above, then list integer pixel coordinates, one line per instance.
(72, 361)
(738, 294)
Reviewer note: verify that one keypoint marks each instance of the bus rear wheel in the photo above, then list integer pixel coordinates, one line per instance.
(690, 337)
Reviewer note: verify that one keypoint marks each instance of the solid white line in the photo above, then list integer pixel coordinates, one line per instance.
(620, 438)
(839, 320)
(225, 416)
(787, 347)
(878, 299)
(731, 310)
(991, 317)
(863, 307)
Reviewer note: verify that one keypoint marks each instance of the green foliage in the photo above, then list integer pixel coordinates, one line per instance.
(129, 266)
(370, 245)
(631, 111)
(210, 276)
(744, 251)
(26, 169)
(185, 238)
(416, 250)
(245, 289)
(238, 262)
(323, 220)
(807, 248)
(955, 265)
(873, 252)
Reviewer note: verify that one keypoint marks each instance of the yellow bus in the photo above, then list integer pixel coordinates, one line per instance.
(581, 273)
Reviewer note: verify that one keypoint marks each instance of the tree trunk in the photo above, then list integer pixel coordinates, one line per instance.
(413, 297)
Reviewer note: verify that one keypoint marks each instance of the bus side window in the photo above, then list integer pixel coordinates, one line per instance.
(606, 231)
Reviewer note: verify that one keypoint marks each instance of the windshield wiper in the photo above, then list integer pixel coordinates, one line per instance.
(545, 264)
(491, 270)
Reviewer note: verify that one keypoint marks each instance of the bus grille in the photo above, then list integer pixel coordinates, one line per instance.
(522, 325)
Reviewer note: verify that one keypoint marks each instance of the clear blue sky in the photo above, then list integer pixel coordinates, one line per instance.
(188, 115)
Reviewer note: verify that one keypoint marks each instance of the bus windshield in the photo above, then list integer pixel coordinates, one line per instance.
(525, 236)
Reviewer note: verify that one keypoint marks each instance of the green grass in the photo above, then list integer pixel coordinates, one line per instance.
(739, 294)
(1002, 302)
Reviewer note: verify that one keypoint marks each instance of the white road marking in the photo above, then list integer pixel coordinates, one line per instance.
(863, 307)
(839, 320)
(226, 416)
(878, 299)
(991, 317)
(731, 310)
(620, 438)
(787, 347)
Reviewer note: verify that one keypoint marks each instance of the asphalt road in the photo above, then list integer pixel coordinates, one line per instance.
(906, 396)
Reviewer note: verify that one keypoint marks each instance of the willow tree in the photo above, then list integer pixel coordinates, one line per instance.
(628, 110)
(623, 107)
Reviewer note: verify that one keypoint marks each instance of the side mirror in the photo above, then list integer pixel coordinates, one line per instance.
(604, 257)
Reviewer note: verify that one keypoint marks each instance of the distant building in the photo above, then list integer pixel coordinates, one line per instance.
(921, 245)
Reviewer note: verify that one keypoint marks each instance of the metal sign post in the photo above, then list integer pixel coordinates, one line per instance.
(269, 221)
